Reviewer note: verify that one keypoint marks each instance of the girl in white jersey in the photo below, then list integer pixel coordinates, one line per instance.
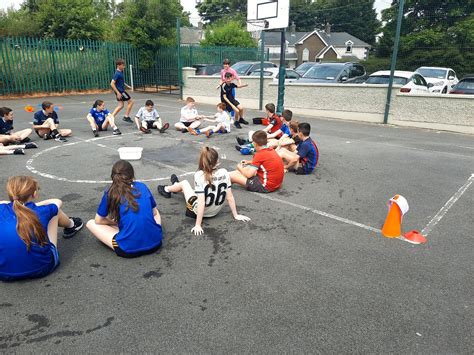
(222, 120)
(212, 187)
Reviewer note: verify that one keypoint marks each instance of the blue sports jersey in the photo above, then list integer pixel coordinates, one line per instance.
(5, 126)
(285, 129)
(16, 262)
(138, 231)
(309, 154)
(99, 117)
(40, 117)
(119, 81)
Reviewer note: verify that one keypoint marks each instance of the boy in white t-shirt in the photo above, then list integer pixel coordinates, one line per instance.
(150, 118)
(222, 120)
(190, 119)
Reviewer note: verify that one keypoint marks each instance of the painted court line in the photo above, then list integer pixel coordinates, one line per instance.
(442, 212)
(318, 212)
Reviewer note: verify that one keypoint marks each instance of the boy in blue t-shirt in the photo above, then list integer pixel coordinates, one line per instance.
(7, 135)
(305, 159)
(100, 118)
(46, 124)
(118, 86)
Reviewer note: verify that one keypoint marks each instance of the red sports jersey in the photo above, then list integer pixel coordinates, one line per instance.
(276, 121)
(270, 168)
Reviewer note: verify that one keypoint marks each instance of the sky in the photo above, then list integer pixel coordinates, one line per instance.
(188, 6)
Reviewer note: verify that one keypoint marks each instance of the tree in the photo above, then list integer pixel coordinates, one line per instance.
(148, 25)
(230, 33)
(17, 23)
(220, 10)
(304, 14)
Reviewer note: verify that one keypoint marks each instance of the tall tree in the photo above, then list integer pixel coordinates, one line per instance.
(304, 14)
(220, 10)
(230, 33)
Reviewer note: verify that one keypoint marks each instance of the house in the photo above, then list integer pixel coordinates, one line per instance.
(315, 46)
(191, 35)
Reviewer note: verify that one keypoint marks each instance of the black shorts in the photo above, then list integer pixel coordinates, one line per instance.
(187, 124)
(100, 127)
(125, 96)
(122, 253)
(255, 185)
(149, 124)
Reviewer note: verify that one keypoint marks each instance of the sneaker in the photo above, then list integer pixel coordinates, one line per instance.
(184, 130)
(162, 192)
(237, 125)
(127, 119)
(60, 138)
(47, 136)
(209, 134)
(31, 145)
(26, 140)
(71, 232)
(192, 131)
(145, 130)
(165, 127)
(116, 132)
(174, 179)
(243, 121)
(246, 151)
(95, 133)
(19, 151)
(238, 147)
(242, 141)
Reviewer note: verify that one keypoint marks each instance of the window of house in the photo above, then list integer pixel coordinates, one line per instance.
(305, 55)
(349, 45)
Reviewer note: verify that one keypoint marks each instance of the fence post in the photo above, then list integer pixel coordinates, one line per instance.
(262, 55)
(394, 60)
(180, 68)
(131, 78)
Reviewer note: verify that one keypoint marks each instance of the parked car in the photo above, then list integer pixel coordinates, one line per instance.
(303, 68)
(411, 82)
(207, 69)
(246, 67)
(464, 86)
(291, 75)
(443, 79)
(335, 73)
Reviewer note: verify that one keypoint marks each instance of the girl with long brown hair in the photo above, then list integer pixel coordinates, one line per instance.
(29, 231)
(127, 220)
(212, 187)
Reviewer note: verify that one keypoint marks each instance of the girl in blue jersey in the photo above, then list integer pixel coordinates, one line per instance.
(100, 118)
(127, 220)
(29, 231)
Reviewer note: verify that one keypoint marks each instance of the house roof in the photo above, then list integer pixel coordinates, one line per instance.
(336, 39)
(191, 35)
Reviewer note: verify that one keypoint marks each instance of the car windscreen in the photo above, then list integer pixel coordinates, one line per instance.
(257, 73)
(241, 68)
(304, 67)
(384, 79)
(324, 72)
(467, 84)
(432, 73)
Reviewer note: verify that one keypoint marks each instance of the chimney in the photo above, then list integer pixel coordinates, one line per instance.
(200, 25)
(293, 28)
(328, 28)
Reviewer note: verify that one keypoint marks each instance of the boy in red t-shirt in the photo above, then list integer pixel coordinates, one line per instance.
(265, 172)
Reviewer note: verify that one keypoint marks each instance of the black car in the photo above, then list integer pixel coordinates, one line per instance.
(464, 86)
(207, 69)
(246, 67)
(304, 67)
(353, 73)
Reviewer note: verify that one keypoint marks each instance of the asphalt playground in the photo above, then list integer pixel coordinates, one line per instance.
(311, 272)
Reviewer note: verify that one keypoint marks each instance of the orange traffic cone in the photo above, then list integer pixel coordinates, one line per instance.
(392, 227)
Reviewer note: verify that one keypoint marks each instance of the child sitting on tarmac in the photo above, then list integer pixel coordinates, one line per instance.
(305, 159)
(228, 98)
(150, 119)
(100, 118)
(265, 172)
(286, 137)
(7, 135)
(29, 230)
(222, 119)
(212, 186)
(190, 119)
(46, 124)
(127, 220)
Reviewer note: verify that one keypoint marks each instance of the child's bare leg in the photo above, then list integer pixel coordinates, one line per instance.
(53, 230)
(180, 126)
(158, 124)
(129, 107)
(272, 143)
(24, 133)
(236, 177)
(218, 127)
(208, 128)
(65, 132)
(241, 111)
(102, 232)
(92, 123)
(183, 186)
(5, 139)
(118, 108)
(290, 158)
(109, 120)
(195, 124)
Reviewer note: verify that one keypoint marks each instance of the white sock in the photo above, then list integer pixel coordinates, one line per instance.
(71, 223)
(166, 189)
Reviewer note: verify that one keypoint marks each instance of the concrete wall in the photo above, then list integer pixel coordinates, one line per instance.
(347, 102)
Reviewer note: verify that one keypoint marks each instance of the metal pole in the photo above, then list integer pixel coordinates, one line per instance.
(131, 78)
(180, 69)
(282, 74)
(262, 55)
(394, 60)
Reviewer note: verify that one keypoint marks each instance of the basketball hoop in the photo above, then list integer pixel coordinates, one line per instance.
(267, 14)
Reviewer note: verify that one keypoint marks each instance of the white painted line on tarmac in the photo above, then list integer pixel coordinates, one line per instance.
(442, 212)
(318, 212)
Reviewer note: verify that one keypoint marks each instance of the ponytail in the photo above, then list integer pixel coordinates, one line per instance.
(208, 162)
(121, 190)
(28, 225)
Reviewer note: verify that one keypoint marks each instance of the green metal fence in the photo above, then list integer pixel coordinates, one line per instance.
(29, 65)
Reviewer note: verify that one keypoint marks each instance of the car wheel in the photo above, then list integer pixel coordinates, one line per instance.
(445, 90)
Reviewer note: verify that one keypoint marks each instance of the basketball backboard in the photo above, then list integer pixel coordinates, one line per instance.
(267, 14)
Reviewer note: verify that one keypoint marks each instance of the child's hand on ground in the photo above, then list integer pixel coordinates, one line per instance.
(197, 230)
(241, 217)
